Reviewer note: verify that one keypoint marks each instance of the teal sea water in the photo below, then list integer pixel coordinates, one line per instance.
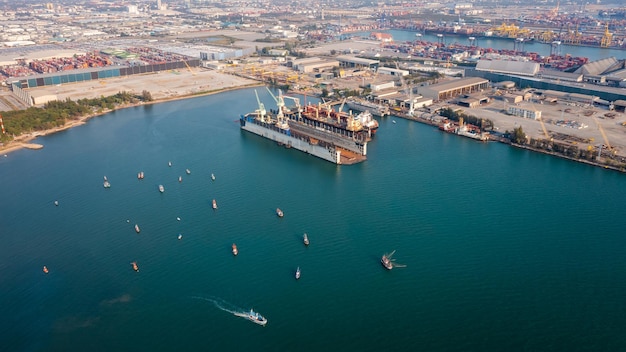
(505, 249)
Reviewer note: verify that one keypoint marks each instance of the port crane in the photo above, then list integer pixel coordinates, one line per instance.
(261, 110)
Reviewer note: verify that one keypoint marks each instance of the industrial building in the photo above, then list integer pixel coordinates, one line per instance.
(450, 89)
(356, 62)
(392, 72)
(532, 114)
(521, 68)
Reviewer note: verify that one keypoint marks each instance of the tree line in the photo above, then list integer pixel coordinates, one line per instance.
(56, 113)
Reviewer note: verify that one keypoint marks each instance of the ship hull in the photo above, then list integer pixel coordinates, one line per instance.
(329, 154)
(375, 110)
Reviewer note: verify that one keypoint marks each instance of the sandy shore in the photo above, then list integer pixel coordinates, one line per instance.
(164, 87)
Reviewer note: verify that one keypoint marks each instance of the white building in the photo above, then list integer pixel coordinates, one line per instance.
(525, 113)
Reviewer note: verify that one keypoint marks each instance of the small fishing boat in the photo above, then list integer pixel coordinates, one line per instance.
(386, 262)
(212, 177)
(394, 121)
(137, 228)
(140, 175)
(106, 183)
(188, 171)
(45, 269)
(161, 188)
(56, 202)
(279, 213)
(135, 267)
(253, 317)
(180, 179)
(214, 204)
(235, 250)
(389, 263)
(305, 239)
(298, 273)
(178, 218)
(180, 237)
(169, 163)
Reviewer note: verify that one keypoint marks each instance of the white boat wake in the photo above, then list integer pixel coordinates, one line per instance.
(222, 304)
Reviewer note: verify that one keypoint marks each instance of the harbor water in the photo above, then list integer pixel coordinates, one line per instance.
(543, 49)
(505, 249)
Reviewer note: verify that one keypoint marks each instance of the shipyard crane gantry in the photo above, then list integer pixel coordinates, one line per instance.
(607, 37)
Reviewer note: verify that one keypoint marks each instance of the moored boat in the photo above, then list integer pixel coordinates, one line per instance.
(161, 188)
(253, 317)
(279, 212)
(298, 273)
(135, 267)
(235, 250)
(137, 228)
(305, 239)
(214, 204)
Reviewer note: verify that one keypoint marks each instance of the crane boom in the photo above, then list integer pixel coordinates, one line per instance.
(606, 139)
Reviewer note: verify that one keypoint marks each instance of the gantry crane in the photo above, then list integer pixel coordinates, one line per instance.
(607, 37)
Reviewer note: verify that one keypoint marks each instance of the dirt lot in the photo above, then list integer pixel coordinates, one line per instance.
(578, 120)
(162, 85)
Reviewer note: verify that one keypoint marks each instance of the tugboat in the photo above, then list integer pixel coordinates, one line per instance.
(305, 239)
(161, 188)
(135, 267)
(253, 317)
(298, 273)
(137, 228)
(214, 204)
(279, 212)
(235, 250)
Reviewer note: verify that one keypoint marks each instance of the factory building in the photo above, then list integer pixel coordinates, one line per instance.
(532, 114)
(450, 89)
(356, 62)
(521, 68)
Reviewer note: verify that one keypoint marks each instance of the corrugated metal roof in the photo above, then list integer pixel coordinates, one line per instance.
(357, 60)
(458, 83)
(597, 67)
(524, 68)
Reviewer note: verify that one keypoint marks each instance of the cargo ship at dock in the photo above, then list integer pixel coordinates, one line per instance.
(375, 109)
(318, 130)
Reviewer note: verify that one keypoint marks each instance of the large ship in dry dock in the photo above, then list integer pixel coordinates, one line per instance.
(338, 137)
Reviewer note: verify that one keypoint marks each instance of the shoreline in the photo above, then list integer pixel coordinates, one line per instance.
(23, 141)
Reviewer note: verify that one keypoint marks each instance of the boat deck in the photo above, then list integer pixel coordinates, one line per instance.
(349, 157)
